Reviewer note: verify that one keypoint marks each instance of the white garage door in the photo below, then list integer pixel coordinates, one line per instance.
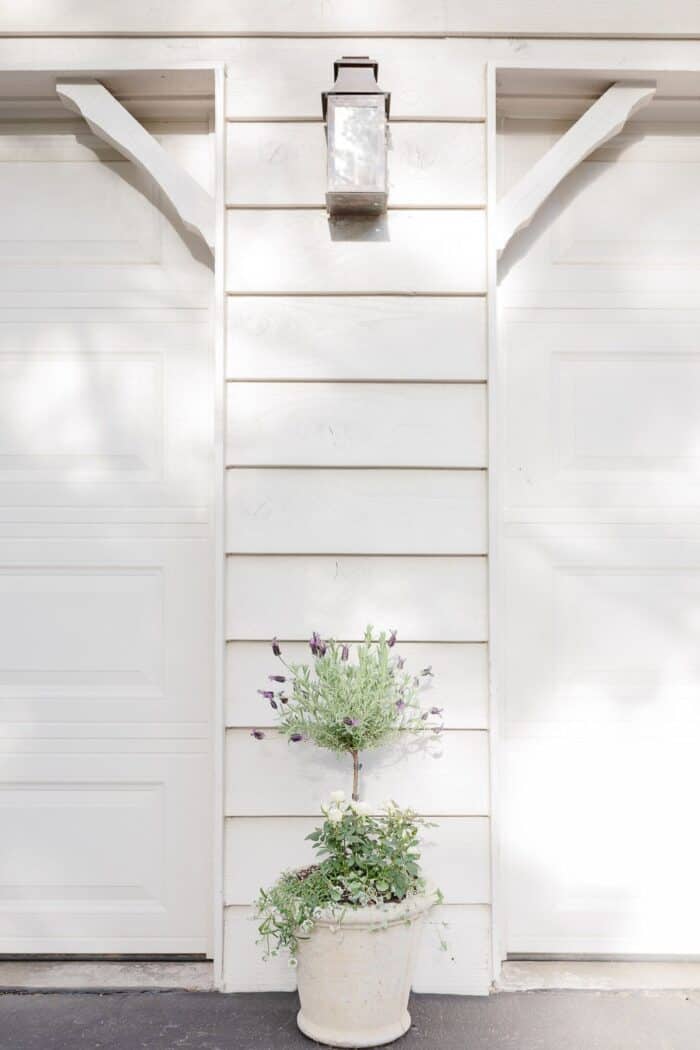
(105, 551)
(600, 527)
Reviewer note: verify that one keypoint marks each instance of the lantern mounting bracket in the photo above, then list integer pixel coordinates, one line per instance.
(355, 75)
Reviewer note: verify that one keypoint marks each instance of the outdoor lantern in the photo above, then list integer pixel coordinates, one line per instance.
(356, 112)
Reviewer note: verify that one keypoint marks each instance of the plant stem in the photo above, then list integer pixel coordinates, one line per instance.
(355, 776)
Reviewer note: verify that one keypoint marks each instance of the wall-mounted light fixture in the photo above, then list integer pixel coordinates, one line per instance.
(356, 111)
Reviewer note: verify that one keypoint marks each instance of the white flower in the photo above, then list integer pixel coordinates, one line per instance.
(337, 796)
(335, 816)
(361, 808)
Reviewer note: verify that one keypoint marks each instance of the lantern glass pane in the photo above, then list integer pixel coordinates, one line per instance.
(356, 143)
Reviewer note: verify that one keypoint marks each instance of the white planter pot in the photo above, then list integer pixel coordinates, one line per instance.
(354, 973)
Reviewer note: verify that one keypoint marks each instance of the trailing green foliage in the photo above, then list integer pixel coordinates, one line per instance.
(364, 859)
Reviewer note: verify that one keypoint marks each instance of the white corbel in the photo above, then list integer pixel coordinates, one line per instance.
(601, 122)
(109, 120)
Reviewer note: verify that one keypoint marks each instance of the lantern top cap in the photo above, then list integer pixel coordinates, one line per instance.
(355, 75)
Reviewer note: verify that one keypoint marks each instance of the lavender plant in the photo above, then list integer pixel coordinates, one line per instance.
(349, 706)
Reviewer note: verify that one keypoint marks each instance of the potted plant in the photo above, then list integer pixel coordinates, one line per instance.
(351, 921)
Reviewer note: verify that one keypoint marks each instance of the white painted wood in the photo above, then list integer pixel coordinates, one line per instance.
(109, 120)
(289, 251)
(435, 775)
(626, 18)
(430, 165)
(356, 511)
(455, 855)
(425, 598)
(598, 124)
(105, 558)
(356, 337)
(455, 951)
(460, 685)
(461, 969)
(356, 425)
(600, 558)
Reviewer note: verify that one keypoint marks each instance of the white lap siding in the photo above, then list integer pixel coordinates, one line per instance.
(356, 483)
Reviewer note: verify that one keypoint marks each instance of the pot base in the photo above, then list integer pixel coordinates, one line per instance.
(376, 1037)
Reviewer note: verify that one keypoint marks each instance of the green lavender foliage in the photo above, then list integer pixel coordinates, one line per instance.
(363, 859)
(349, 705)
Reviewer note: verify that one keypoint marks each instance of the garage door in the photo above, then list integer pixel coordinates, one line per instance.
(105, 551)
(600, 531)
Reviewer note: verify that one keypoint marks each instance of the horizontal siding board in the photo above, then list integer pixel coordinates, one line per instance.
(459, 685)
(455, 855)
(461, 967)
(356, 511)
(363, 337)
(425, 598)
(436, 775)
(284, 163)
(455, 952)
(356, 425)
(288, 251)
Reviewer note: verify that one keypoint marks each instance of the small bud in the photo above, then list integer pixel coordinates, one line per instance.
(277, 678)
(283, 699)
(258, 734)
(424, 716)
(391, 640)
(345, 652)
(348, 721)
(400, 662)
(296, 737)
(427, 671)
(436, 710)
(273, 704)
(276, 647)
(266, 694)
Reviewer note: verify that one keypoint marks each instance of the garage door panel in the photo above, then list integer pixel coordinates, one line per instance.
(608, 227)
(110, 850)
(105, 414)
(82, 222)
(601, 416)
(629, 894)
(602, 627)
(95, 630)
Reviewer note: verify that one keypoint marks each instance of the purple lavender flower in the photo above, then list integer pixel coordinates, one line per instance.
(436, 710)
(400, 662)
(317, 645)
(296, 737)
(266, 694)
(258, 734)
(348, 721)
(345, 652)
(273, 704)
(400, 705)
(427, 671)
(277, 678)
(424, 716)
(391, 640)
(276, 647)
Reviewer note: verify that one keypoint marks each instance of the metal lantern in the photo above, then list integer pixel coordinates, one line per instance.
(356, 111)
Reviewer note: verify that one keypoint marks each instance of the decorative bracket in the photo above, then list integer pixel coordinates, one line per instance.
(109, 120)
(601, 122)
